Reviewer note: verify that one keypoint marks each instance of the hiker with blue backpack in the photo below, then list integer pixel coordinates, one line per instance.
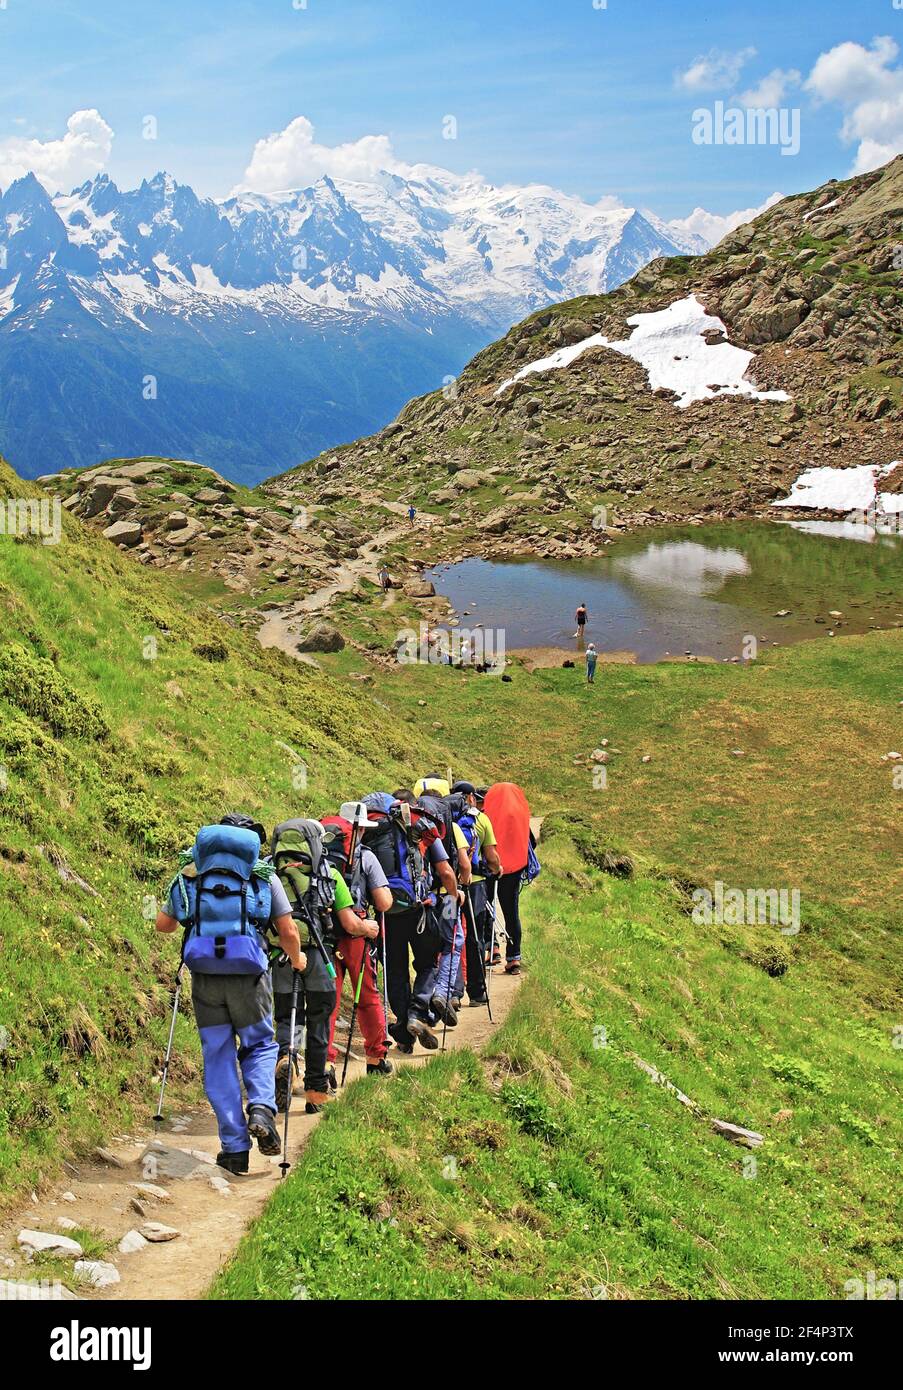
(226, 898)
(407, 844)
(485, 866)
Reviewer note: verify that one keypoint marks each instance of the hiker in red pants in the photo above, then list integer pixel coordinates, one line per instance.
(370, 890)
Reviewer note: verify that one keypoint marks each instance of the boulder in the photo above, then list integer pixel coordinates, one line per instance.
(124, 532)
(98, 1272)
(209, 495)
(419, 588)
(98, 495)
(49, 1243)
(185, 535)
(123, 500)
(468, 479)
(322, 638)
(176, 521)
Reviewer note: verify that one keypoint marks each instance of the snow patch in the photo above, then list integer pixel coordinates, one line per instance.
(670, 345)
(843, 489)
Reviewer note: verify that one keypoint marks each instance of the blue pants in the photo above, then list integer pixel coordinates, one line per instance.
(452, 946)
(227, 1007)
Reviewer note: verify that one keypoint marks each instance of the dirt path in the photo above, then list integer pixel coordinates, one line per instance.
(210, 1219)
(281, 628)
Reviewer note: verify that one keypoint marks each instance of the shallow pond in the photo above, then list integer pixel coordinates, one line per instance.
(700, 590)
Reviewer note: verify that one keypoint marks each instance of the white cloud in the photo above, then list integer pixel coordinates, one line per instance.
(712, 227)
(609, 202)
(291, 158)
(59, 164)
(865, 83)
(715, 71)
(772, 89)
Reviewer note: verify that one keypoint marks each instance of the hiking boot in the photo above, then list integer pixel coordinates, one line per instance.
(262, 1127)
(421, 1032)
(311, 1109)
(476, 999)
(445, 1010)
(282, 1082)
(513, 967)
(233, 1163)
(381, 1068)
(405, 1049)
(331, 1081)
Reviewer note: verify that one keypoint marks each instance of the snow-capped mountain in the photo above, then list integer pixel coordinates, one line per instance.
(253, 332)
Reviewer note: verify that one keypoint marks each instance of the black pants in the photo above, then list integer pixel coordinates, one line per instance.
(403, 939)
(476, 946)
(509, 902)
(315, 1009)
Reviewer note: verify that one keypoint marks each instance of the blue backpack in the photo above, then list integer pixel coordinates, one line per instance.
(226, 904)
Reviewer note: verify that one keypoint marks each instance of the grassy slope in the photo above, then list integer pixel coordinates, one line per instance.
(556, 1169)
(572, 1170)
(110, 760)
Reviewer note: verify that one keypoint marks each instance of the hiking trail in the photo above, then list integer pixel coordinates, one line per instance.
(210, 1220)
(281, 629)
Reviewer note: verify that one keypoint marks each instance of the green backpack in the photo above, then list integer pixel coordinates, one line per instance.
(303, 869)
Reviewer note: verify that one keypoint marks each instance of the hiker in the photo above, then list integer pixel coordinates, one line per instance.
(486, 865)
(385, 580)
(412, 512)
(581, 615)
(507, 807)
(227, 898)
(434, 793)
(416, 865)
(592, 657)
(323, 908)
(357, 955)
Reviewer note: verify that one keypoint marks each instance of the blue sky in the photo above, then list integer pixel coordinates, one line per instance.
(587, 99)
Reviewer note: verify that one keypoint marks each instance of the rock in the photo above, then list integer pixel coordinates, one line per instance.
(98, 495)
(19, 1291)
(139, 1207)
(47, 1242)
(419, 588)
(67, 1197)
(155, 1231)
(208, 496)
(150, 1189)
(646, 758)
(185, 535)
(123, 500)
(65, 1223)
(783, 613)
(139, 472)
(98, 1272)
(468, 479)
(131, 1242)
(748, 1138)
(101, 1155)
(322, 638)
(124, 532)
(176, 521)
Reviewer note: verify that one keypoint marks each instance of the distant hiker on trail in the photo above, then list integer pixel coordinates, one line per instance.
(592, 657)
(226, 898)
(385, 581)
(356, 955)
(412, 512)
(507, 807)
(581, 615)
(323, 908)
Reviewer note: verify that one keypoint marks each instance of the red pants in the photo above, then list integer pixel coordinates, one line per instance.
(352, 953)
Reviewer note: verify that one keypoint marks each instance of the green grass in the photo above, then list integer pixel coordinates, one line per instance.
(552, 1167)
(117, 739)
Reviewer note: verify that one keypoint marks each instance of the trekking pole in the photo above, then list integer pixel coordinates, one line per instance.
(292, 1054)
(158, 1118)
(481, 950)
(382, 926)
(354, 1004)
(451, 961)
